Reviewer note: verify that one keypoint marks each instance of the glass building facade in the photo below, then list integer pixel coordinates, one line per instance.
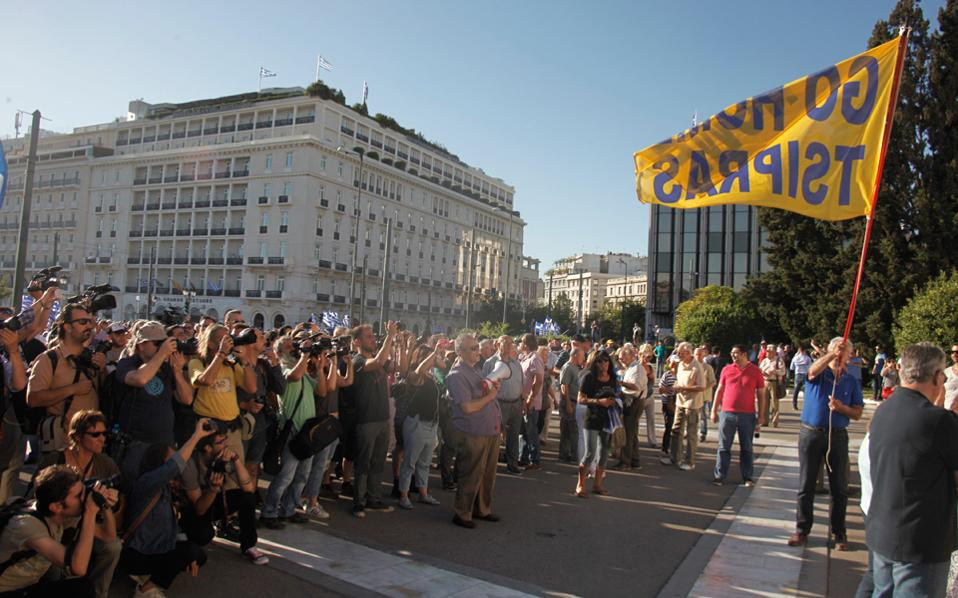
(689, 249)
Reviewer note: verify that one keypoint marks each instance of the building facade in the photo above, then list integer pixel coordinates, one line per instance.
(689, 249)
(257, 202)
(589, 280)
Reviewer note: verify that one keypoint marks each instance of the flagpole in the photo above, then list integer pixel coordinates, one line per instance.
(870, 219)
(869, 222)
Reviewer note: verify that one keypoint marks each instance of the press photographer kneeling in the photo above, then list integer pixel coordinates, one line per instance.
(210, 498)
(33, 559)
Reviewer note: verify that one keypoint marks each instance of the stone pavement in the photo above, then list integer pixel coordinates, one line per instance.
(746, 549)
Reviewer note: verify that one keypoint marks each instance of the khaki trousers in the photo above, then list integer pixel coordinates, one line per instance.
(478, 457)
(685, 435)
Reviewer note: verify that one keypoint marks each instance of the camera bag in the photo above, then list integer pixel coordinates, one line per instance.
(316, 434)
(276, 441)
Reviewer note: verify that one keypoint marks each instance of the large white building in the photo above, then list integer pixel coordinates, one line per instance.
(252, 201)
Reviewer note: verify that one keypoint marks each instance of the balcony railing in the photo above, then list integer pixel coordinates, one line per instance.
(136, 233)
(254, 293)
(203, 203)
(223, 175)
(283, 199)
(238, 230)
(220, 203)
(139, 181)
(182, 232)
(238, 201)
(200, 231)
(274, 294)
(181, 260)
(231, 292)
(217, 231)
(234, 261)
(277, 261)
(305, 119)
(153, 206)
(164, 260)
(255, 259)
(216, 261)
(166, 233)
(240, 173)
(198, 260)
(283, 122)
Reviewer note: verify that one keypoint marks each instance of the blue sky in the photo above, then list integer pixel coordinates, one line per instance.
(552, 97)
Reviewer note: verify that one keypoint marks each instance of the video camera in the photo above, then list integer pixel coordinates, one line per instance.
(46, 278)
(318, 346)
(96, 298)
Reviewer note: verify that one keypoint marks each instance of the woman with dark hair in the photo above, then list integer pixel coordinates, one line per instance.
(421, 424)
(151, 553)
(597, 391)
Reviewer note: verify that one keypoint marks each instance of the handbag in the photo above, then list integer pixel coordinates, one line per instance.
(278, 437)
(316, 434)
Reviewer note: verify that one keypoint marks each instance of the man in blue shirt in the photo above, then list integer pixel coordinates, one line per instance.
(826, 400)
(880, 359)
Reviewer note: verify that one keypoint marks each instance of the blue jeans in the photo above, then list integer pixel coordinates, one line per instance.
(730, 423)
(320, 463)
(419, 442)
(799, 385)
(914, 580)
(530, 437)
(286, 488)
(597, 444)
(704, 418)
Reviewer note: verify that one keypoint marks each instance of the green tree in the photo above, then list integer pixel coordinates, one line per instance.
(716, 315)
(931, 315)
(611, 322)
(814, 262)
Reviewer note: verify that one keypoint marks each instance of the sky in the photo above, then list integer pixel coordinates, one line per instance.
(552, 97)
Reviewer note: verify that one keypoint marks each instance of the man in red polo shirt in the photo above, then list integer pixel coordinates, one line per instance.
(739, 389)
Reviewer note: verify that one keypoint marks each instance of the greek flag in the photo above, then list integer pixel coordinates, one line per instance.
(212, 287)
(3, 175)
(54, 312)
(265, 72)
(323, 63)
(25, 302)
(365, 92)
(330, 320)
(313, 319)
(346, 321)
(537, 328)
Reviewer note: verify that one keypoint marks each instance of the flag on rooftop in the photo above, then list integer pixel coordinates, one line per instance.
(324, 64)
(265, 72)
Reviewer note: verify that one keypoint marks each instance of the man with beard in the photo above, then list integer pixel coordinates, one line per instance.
(61, 384)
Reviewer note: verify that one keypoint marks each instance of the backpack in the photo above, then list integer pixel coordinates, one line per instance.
(8, 511)
(28, 417)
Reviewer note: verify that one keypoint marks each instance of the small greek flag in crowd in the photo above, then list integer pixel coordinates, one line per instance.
(346, 321)
(3, 175)
(54, 312)
(25, 302)
(330, 320)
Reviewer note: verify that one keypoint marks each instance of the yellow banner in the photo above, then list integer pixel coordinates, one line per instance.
(811, 146)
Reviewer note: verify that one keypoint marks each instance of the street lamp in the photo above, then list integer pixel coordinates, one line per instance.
(361, 152)
(622, 323)
(187, 300)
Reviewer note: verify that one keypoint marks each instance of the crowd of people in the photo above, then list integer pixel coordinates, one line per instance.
(146, 440)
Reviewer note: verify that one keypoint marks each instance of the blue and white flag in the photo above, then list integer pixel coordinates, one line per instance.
(346, 321)
(313, 319)
(3, 175)
(537, 328)
(25, 302)
(212, 287)
(330, 320)
(54, 312)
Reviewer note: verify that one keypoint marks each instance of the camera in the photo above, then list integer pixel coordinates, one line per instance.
(342, 344)
(85, 358)
(221, 466)
(96, 298)
(215, 426)
(187, 348)
(12, 324)
(246, 337)
(46, 278)
(314, 350)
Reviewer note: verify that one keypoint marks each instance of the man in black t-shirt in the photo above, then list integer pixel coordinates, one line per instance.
(146, 384)
(370, 394)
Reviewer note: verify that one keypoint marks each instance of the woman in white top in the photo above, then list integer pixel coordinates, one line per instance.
(951, 381)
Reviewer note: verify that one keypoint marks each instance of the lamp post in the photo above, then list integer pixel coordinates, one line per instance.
(187, 300)
(622, 324)
(361, 152)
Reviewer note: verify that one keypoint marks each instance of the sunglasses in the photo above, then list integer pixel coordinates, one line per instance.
(96, 434)
(80, 321)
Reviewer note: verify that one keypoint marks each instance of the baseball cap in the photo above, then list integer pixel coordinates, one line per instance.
(151, 331)
(117, 328)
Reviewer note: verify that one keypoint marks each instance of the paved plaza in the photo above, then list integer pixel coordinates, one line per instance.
(660, 532)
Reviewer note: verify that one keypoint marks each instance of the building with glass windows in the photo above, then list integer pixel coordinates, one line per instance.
(260, 201)
(689, 249)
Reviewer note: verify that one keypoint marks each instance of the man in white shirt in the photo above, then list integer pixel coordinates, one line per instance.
(800, 364)
(634, 396)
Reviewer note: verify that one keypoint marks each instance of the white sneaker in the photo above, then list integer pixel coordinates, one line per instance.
(428, 499)
(318, 512)
(666, 461)
(154, 592)
(686, 467)
(256, 556)
(405, 503)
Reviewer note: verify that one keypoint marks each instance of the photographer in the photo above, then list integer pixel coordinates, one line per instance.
(148, 381)
(296, 406)
(65, 379)
(12, 380)
(119, 335)
(85, 456)
(370, 391)
(216, 374)
(255, 405)
(210, 498)
(31, 542)
(151, 549)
